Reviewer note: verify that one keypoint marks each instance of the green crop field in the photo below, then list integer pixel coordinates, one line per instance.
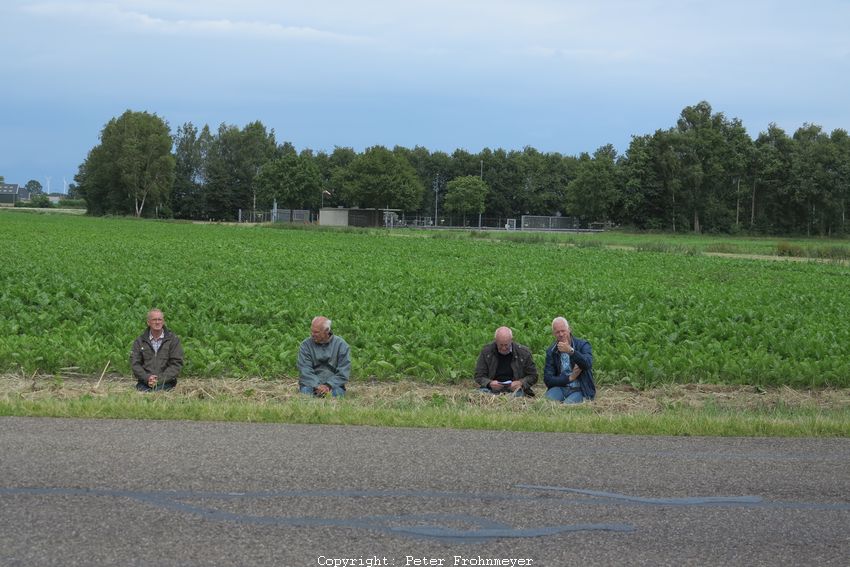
(74, 292)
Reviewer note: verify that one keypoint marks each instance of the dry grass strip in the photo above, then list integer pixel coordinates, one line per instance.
(611, 400)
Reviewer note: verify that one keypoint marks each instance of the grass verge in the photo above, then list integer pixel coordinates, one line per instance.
(690, 410)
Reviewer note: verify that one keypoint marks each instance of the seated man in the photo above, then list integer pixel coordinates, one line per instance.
(505, 367)
(324, 363)
(568, 373)
(157, 356)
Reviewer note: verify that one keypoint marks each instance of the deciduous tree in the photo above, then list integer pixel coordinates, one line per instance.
(130, 168)
(466, 195)
(292, 181)
(378, 178)
(33, 186)
(190, 152)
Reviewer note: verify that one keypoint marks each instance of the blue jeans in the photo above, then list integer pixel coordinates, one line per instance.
(518, 394)
(336, 391)
(564, 394)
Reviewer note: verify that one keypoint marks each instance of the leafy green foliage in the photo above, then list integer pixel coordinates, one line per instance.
(40, 201)
(465, 195)
(132, 166)
(74, 292)
(292, 181)
(233, 161)
(34, 187)
(72, 204)
(378, 178)
(592, 195)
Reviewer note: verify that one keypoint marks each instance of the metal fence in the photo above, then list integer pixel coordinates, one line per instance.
(534, 222)
(525, 222)
(457, 221)
(392, 219)
(301, 216)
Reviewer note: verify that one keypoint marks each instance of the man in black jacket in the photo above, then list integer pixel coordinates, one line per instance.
(157, 356)
(505, 367)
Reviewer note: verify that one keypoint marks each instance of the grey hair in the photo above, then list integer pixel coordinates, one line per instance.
(508, 329)
(326, 323)
(560, 319)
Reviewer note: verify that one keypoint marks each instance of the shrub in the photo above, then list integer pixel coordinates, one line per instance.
(831, 252)
(785, 248)
(72, 203)
(723, 248)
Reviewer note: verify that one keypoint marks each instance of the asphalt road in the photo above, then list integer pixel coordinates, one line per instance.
(88, 492)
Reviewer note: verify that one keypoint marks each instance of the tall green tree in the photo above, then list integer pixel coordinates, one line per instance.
(378, 178)
(466, 195)
(699, 146)
(841, 142)
(532, 181)
(642, 193)
(330, 166)
(593, 194)
(292, 181)
(769, 207)
(130, 168)
(234, 160)
(433, 170)
(502, 179)
(813, 169)
(668, 168)
(34, 187)
(190, 153)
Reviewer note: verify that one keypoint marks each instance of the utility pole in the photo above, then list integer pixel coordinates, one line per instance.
(436, 195)
(481, 177)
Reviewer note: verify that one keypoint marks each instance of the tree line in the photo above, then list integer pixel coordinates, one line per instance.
(704, 174)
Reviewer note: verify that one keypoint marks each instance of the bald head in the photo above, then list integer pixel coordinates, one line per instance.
(504, 337)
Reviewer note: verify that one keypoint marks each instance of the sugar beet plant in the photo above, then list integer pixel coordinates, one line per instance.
(74, 292)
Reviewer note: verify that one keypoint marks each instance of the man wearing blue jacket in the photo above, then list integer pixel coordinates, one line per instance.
(568, 374)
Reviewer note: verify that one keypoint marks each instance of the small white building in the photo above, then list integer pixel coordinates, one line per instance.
(339, 216)
(333, 217)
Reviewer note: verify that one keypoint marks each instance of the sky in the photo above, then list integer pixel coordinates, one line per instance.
(561, 76)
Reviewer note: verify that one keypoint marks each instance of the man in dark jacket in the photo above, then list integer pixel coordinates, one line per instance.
(568, 373)
(505, 367)
(157, 356)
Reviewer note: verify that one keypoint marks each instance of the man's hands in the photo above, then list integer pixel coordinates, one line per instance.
(497, 386)
(152, 380)
(322, 390)
(565, 346)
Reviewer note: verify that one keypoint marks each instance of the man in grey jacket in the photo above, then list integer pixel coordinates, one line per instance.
(157, 356)
(324, 361)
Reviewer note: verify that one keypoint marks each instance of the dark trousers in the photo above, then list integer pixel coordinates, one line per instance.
(142, 387)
